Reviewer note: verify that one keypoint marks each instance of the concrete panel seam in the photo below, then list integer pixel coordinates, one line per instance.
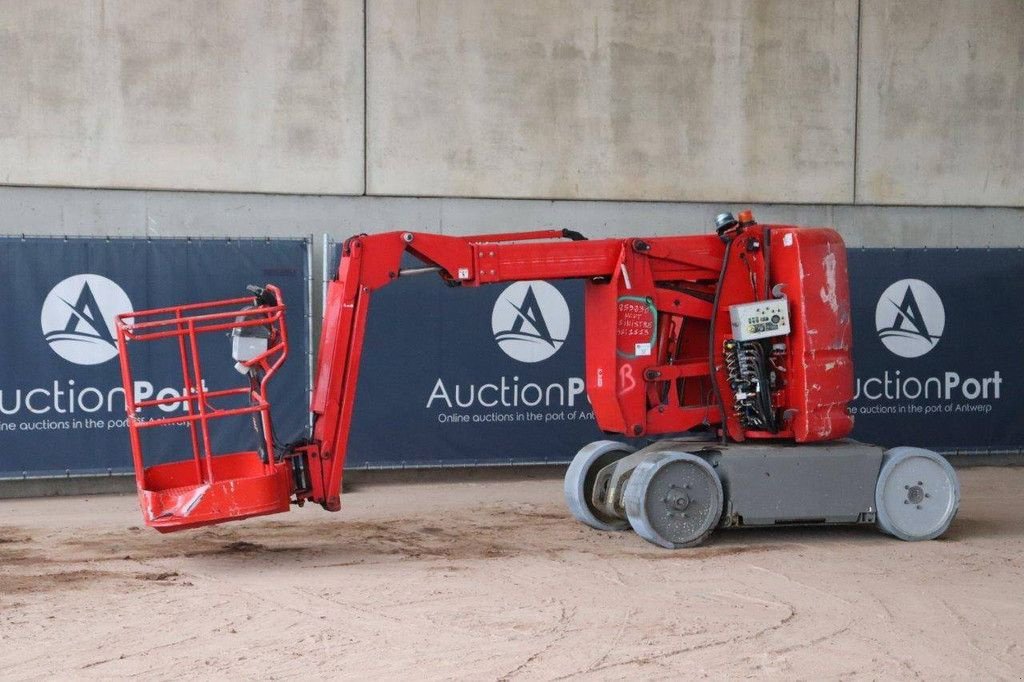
(856, 104)
(366, 85)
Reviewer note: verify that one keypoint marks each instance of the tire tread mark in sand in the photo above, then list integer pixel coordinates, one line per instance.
(235, 590)
(655, 657)
(805, 586)
(889, 615)
(148, 650)
(813, 642)
(967, 627)
(345, 605)
(615, 641)
(560, 630)
(883, 646)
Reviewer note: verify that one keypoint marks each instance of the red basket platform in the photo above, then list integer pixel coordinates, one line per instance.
(241, 487)
(208, 487)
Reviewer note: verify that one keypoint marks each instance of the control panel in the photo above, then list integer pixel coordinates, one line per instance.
(760, 319)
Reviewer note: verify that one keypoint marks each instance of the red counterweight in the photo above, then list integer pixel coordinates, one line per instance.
(806, 268)
(665, 353)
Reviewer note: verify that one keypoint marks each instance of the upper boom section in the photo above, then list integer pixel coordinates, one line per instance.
(506, 257)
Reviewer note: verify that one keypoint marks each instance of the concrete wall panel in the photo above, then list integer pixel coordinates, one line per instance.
(672, 100)
(941, 107)
(225, 95)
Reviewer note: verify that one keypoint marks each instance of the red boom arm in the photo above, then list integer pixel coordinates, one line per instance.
(649, 307)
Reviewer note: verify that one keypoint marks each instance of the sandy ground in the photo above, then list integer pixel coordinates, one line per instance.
(489, 580)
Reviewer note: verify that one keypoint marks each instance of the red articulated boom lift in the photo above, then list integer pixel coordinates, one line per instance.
(729, 353)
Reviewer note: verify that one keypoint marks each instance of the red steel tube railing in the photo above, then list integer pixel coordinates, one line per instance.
(185, 323)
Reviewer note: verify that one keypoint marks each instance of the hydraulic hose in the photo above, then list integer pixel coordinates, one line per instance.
(711, 335)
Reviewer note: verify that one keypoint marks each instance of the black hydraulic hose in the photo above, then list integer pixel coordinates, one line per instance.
(280, 449)
(765, 395)
(711, 338)
(767, 246)
(257, 421)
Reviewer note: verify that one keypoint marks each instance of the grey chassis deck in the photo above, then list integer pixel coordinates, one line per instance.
(767, 484)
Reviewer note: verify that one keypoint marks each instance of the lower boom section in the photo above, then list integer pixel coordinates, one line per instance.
(675, 492)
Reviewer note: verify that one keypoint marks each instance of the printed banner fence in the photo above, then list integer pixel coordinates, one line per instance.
(492, 375)
(62, 406)
(937, 348)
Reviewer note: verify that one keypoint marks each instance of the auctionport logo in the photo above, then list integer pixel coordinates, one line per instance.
(78, 318)
(910, 318)
(530, 321)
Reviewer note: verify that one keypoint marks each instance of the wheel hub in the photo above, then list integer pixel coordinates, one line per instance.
(915, 494)
(677, 499)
